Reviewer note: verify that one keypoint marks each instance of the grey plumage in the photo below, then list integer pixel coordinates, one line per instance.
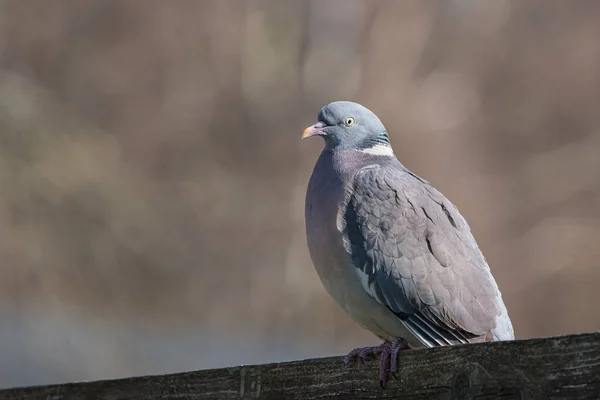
(392, 250)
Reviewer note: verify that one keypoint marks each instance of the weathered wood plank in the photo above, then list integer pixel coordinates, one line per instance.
(566, 367)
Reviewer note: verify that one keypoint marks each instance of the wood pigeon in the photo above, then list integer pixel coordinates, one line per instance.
(395, 254)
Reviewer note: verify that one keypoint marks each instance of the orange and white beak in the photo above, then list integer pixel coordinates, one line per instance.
(313, 130)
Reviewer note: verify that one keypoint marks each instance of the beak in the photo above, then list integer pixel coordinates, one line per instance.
(312, 130)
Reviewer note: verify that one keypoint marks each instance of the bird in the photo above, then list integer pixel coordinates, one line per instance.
(390, 249)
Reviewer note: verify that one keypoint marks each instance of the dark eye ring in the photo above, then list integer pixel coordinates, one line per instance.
(349, 121)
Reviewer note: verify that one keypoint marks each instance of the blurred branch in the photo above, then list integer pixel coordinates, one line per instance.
(559, 367)
(372, 8)
(304, 42)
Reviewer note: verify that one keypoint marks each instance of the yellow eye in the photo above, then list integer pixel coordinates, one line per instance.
(349, 121)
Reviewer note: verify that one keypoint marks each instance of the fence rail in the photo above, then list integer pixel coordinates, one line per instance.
(564, 367)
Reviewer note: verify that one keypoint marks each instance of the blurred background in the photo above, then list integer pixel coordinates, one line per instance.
(152, 176)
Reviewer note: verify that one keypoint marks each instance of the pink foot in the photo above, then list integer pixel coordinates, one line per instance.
(389, 356)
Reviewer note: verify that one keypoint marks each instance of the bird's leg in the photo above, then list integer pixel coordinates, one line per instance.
(383, 363)
(364, 352)
(399, 345)
(389, 356)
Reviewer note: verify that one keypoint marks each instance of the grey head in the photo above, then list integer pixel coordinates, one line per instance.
(345, 125)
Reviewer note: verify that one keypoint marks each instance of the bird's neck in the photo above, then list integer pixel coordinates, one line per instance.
(346, 162)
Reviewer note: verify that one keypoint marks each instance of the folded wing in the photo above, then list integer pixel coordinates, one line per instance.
(416, 255)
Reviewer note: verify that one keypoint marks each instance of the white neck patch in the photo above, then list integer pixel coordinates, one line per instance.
(379, 150)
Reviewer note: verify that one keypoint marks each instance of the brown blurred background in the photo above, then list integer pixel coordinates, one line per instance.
(152, 176)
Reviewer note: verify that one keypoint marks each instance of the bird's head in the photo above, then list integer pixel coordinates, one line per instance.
(345, 125)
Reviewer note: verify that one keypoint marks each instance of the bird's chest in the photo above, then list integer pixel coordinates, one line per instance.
(333, 264)
(324, 206)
